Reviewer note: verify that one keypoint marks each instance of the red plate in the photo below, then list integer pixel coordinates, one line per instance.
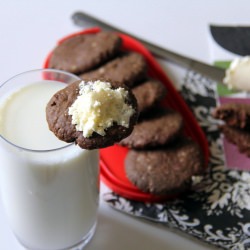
(112, 158)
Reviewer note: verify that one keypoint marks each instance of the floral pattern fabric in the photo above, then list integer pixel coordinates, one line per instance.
(217, 209)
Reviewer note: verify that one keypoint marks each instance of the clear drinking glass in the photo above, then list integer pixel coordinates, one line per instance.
(49, 189)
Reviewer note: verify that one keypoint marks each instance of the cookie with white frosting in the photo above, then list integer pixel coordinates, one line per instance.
(92, 114)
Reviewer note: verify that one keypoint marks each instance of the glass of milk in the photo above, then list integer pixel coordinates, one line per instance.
(49, 189)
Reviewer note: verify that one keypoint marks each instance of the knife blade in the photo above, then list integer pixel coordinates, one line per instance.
(217, 74)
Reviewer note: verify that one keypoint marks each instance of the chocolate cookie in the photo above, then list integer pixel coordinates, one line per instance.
(148, 94)
(234, 114)
(162, 126)
(166, 170)
(239, 137)
(128, 69)
(60, 122)
(85, 52)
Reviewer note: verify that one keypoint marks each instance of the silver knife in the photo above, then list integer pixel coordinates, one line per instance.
(215, 73)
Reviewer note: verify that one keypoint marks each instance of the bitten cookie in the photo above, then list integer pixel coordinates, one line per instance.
(148, 94)
(165, 170)
(234, 114)
(92, 114)
(85, 52)
(162, 126)
(239, 137)
(128, 69)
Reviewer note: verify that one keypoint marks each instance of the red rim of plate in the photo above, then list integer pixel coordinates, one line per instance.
(112, 158)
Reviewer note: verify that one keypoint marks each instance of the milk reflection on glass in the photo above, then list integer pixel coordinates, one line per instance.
(49, 189)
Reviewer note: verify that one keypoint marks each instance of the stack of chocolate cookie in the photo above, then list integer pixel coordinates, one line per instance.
(160, 160)
(236, 127)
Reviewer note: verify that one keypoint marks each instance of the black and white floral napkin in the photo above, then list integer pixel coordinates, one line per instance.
(217, 209)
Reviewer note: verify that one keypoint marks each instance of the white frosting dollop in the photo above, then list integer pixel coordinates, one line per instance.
(98, 107)
(238, 74)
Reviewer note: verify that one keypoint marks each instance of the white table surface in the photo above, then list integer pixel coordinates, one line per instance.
(30, 29)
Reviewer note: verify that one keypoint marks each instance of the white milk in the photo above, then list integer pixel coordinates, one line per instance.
(51, 198)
